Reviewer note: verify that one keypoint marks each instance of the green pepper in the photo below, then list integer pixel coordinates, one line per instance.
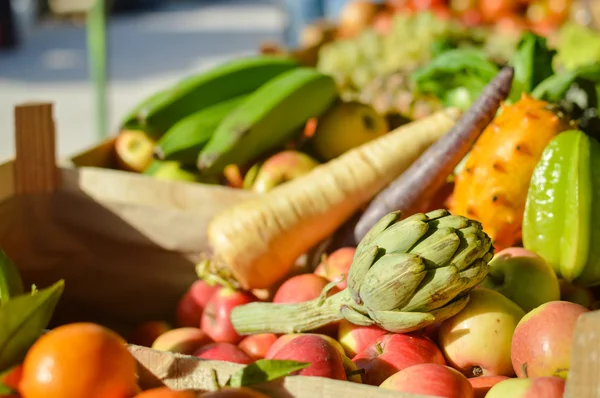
(561, 220)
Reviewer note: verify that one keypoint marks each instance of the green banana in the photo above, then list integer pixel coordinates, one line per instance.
(10, 281)
(561, 211)
(174, 171)
(131, 120)
(187, 137)
(268, 118)
(242, 76)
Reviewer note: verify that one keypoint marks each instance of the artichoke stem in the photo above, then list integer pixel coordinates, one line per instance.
(261, 317)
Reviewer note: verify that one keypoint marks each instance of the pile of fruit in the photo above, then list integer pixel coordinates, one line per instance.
(541, 16)
(459, 250)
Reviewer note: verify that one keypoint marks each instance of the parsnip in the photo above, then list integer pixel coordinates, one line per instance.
(259, 240)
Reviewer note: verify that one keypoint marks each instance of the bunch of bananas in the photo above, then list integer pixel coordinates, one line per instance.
(230, 114)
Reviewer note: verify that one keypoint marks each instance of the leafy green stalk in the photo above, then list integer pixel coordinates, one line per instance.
(10, 281)
(456, 76)
(96, 38)
(264, 370)
(532, 63)
(23, 321)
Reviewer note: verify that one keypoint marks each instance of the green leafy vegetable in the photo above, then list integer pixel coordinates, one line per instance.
(264, 370)
(456, 76)
(553, 88)
(577, 46)
(5, 390)
(532, 63)
(10, 280)
(23, 321)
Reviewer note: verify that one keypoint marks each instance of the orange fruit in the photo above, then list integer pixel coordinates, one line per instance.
(79, 360)
(165, 392)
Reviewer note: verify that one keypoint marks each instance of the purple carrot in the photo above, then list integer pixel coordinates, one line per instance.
(429, 172)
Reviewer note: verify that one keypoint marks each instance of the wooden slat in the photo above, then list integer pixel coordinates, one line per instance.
(7, 184)
(181, 372)
(584, 375)
(35, 165)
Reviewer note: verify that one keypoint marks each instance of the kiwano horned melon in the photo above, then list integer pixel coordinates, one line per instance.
(492, 186)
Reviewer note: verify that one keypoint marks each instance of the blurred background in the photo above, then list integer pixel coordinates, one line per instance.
(151, 44)
(154, 43)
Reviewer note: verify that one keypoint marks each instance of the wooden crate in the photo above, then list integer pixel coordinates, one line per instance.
(126, 246)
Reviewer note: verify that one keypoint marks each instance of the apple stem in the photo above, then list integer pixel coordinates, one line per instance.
(260, 317)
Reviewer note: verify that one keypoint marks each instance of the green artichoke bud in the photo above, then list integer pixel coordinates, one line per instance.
(561, 212)
(406, 275)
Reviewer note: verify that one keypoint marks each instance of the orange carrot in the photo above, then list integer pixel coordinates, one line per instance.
(259, 240)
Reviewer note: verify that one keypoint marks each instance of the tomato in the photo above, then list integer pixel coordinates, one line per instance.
(427, 4)
(492, 10)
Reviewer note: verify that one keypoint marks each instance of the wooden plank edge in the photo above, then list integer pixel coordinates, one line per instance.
(7, 182)
(182, 372)
(584, 373)
(125, 187)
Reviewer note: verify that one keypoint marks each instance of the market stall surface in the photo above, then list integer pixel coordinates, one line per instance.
(147, 51)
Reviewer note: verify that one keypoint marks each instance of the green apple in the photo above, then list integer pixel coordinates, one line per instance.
(477, 340)
(523, 277)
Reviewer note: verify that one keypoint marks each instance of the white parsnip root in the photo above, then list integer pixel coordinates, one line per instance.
(259, 240)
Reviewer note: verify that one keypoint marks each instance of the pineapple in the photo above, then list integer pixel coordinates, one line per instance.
(492, 186)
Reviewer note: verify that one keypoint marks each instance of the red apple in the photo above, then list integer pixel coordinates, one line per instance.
(145, 334)
(336, 264)
(216, 321)
(306, 287)
(481, 385)
(280, 342)
(355, 339)
(223, 352)
(282, 167)
(181, 340)
(134, 150)
(301, 288)
(190, 307)
(430, 379)
(349, 366)
(258, 345)
(477, 340)
(12, 377)
(324, 357)
(391, 353)
(538, 387)
(541, 344)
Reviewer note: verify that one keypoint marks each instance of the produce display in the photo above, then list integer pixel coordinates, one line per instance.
(457, 249)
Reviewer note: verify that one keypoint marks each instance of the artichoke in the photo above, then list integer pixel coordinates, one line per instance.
(406, 274)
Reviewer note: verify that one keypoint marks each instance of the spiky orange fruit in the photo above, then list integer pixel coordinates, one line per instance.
(492, 186)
